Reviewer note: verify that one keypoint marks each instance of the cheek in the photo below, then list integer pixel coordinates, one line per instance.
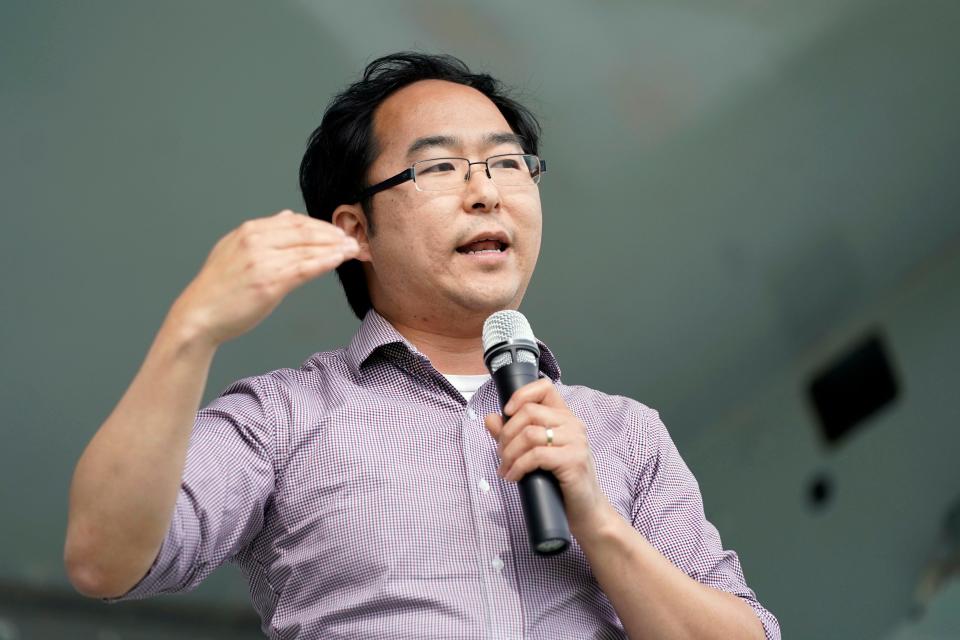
(414, 233)
(528, 218)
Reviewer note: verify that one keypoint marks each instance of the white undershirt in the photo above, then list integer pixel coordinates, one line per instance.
(468, 385)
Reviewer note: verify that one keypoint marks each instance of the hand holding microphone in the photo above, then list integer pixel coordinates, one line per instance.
(543, 446)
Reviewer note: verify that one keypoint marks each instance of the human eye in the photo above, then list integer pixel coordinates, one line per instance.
(508, 162)
(440, 165)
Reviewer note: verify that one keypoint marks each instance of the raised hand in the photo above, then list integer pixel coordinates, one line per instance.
(252, 268)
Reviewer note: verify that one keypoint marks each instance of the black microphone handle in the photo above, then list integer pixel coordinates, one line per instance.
(540, 493)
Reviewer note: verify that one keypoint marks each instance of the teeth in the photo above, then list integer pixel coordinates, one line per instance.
(483, 251)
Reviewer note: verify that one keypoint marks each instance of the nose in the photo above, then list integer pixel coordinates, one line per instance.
(481, 193)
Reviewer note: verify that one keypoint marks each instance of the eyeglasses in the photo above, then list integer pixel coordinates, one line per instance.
(442, 174)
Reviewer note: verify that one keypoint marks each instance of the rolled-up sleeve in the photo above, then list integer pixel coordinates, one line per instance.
(227, 482)
(668, 511)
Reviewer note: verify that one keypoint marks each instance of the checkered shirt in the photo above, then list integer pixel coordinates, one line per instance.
(359, 496)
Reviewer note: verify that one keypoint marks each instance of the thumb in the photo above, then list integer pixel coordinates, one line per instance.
(493, 423)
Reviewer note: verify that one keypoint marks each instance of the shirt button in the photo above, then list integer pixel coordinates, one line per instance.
(471, 414)
(484, 485)
(496, 563)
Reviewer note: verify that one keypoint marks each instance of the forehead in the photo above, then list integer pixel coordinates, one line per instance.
(435, 107)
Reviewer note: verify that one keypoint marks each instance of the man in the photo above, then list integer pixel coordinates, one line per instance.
(362, 494)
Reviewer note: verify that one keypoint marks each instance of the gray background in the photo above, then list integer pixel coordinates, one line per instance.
(737, 192)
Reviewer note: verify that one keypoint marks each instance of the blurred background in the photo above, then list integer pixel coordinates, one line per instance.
(752, 224)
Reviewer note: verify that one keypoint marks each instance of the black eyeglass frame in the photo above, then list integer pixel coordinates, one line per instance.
(410, 173)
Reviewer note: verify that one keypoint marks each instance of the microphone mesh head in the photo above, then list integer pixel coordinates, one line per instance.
(505, 326)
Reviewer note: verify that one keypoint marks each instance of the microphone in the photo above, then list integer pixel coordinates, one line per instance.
(511, 354)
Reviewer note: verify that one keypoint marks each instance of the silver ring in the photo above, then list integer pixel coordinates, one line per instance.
(549, 436)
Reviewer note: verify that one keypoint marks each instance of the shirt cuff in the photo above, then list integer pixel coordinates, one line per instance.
(771, 626)
(163, 573)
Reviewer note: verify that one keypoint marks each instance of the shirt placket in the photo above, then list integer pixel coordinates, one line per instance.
(502, 614)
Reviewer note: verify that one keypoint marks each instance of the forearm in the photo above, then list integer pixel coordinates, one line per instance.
(655, 599)
(125, 485)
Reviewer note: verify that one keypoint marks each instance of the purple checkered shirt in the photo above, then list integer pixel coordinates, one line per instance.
(359, 496)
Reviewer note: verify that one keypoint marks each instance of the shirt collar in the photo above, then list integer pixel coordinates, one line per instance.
(376, 332)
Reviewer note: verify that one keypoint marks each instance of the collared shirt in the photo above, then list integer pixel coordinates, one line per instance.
(359, 496)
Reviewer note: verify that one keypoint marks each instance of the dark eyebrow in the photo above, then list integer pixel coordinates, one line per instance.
(432, 141)
(490, 140)
(494, 139)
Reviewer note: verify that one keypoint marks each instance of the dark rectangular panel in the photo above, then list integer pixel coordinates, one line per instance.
(858, 384)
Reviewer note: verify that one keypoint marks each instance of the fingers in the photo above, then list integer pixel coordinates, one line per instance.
(494, 424)
(549, 458)
(541, 392)
(302, 236)
(528, 430)
(530, 414)
(303, 264)
(288, 249)
(523, 440)
(253, 267)
(287, 229)
(530, 438)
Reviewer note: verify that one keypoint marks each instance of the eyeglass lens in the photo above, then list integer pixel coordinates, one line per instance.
(439, 174)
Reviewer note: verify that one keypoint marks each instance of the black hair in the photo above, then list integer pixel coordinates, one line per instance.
(340, 151)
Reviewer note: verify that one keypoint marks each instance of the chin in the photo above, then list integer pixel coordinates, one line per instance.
(489, 300)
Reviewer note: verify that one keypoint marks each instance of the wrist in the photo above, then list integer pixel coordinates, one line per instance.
(599, 527)
(187, 333)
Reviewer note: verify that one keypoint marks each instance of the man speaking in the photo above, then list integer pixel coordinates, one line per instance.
(373, 492)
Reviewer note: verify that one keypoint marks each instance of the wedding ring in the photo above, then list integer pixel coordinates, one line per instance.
(549, 437)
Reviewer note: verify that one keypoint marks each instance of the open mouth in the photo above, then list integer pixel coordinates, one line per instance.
(483, 246)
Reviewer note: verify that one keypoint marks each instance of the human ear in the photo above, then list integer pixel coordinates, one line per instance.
(353, 221)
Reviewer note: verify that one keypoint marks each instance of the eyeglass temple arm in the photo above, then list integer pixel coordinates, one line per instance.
(400, 178)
